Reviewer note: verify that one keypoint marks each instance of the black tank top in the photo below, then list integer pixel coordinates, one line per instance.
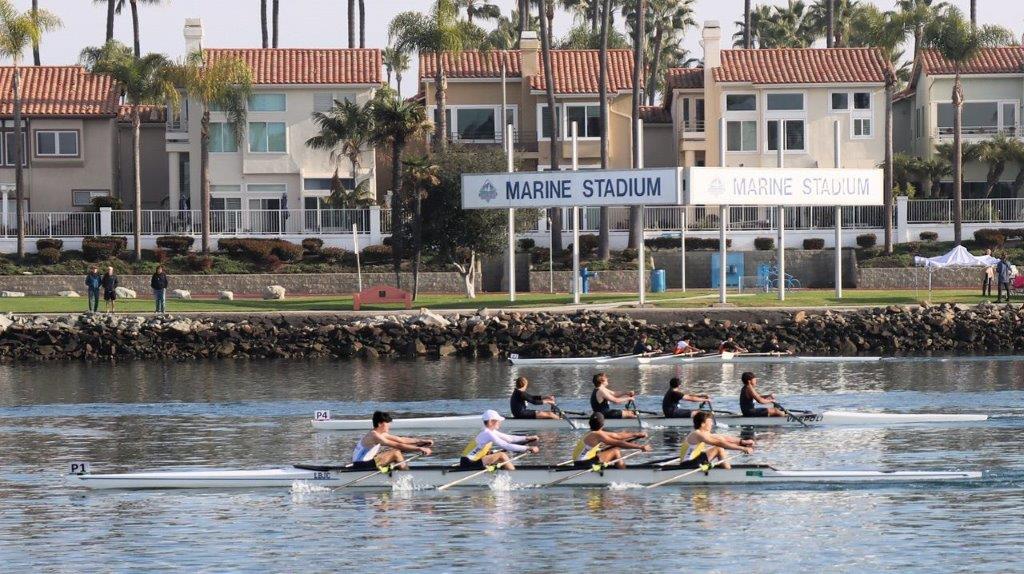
(598, 407)
(746, 400)
(670, 403)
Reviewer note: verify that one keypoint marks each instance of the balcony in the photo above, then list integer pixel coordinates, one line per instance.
(946, 132)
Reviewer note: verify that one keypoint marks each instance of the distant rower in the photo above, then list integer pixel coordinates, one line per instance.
(749, 396)
(731, 346)
(483, 450)
(599, 445)
(367, 453)
(520, 398)
(602, 396)
(644, 346)
(685, 347)
(675, 395)
(701, 442)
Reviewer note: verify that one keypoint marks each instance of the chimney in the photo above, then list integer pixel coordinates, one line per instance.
(193, 35)
(529, 45)
(711, 41)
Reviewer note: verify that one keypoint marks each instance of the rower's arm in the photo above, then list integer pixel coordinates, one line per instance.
(759, 398)
(534, 399)
(617, 398)
(716, 440)
(398, 443)
(695, 398)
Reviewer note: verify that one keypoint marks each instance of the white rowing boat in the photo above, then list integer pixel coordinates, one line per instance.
(429, 477)
(715, 358)
(322, 421)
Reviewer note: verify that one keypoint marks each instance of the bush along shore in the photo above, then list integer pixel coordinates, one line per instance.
(881, 331)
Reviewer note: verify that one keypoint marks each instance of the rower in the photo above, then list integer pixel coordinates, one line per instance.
(599, 445)
(367, 453)
(644, 346)
(704, 446)
(730, 346)
(674, 395)
(685, 347)
(481, 451)
(520, 398)
(749, 396)
(774, 346)
(602, 396)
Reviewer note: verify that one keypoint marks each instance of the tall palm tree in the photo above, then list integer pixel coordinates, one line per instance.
(480, 9)
(974, 13)
(35, 43)
(747, 40)
(505, 35)
(890, 92)
(996, 152)
(669, 20)
(959, 43)
(146, 80)
(395, 62)
(555, 149)
(396, 123)
(344, 131)
(263, 23)
(830, 26)
(603, 239)
(226, 84)
(788, 27)
(19, 30)
(916, 15)
(438, 32)
(275, 13)
(134, 6)
(1015, 150)
(760, 17)
(362, 24)
(636, 214)
(423, 175)
(833, 19)
(351, 23)
(111, 7)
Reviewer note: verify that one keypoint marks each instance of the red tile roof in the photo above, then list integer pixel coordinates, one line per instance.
(307, 66)
(575, 71)
(149, 114)
(1002, 60)
(684, 78)
(655, 115)
(59, 91)
(803, 66)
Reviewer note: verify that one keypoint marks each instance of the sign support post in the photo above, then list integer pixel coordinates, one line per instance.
(511, 222)
(682, 248)
(839, 217)
(723, 217)
(575, 222)
(641, 252)
(781, 217)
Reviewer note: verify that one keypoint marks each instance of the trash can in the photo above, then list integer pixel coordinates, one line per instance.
(658, 281)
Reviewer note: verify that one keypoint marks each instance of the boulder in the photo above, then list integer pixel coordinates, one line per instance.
(125, 293)
(68, 294)
(11, 294)
(446, 349)
(428, 317)
(180, 294)
(225, 296)
(182, 326)
(5, 322)
(273, 292)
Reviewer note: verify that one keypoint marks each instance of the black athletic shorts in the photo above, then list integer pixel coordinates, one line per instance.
(585, 463)
(364, 464)
(109, 295)
(679, 413)
(612, 414)
(466, 464)
(756, 413)
(525, 414)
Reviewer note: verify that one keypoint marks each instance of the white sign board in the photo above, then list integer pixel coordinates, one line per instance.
(783, 186)
(569, 188)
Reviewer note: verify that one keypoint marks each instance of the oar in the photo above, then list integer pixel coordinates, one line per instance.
(487, 468)
(689, 472)
(562, 415)
(603, 466)
(631, 405)
(383, 470)
(790, 415)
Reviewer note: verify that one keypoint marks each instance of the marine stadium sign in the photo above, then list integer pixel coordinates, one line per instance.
(783, 186)
(569, 188)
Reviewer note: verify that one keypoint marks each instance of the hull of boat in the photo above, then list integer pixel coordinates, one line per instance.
(524, 477)
(687, 360)
(471, 422)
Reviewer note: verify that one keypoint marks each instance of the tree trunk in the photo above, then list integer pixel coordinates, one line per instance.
(595, 15)
(111, 4)
(555, 215)
(890, 87)
(468, 274)
(417, 245)
(137, 174)
(204, 177)
(748, 36)
(958, 160)
(351, 23)
(441, 96)
(655, 65)
(398, 82)
(636, 214)
(926, 186)
(396, 211)
(974, 13)
(19, 152)
(995, 172)
(35, 43)
(918, 38)
(524, 15)
(263, 23)
(830, 23)
(276, 10)
(603, 239)
(362, 23)
(1018, 183)
(135, 28)
(388, 70)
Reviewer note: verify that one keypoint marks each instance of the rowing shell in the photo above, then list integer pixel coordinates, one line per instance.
(724, 358)
(428, 477)
(323, 421)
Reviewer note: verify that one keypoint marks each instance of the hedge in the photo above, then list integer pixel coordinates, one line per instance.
(867, 240)
(99, 248)
(49, 243)
(928, 236)
(526, 244)
(334, 255)
(764, 243)
(814, 243)
(989, 238)
(313, 245)
(374, 254)
(177, 244)
(49, 255)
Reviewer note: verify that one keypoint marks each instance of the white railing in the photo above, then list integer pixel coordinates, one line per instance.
(55, 224)
(974, 211)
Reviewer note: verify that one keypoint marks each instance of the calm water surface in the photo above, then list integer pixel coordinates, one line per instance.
(255, 414)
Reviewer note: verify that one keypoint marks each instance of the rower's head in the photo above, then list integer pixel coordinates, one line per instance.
(492, 419)
(674, 383)
(749, 378)
(596, 422)
(643, 336)
(521, 383)
(703, 420)
(600, 379)
(381, 420)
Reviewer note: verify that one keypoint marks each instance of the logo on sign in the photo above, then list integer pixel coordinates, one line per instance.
(488, 191)
(716, 186)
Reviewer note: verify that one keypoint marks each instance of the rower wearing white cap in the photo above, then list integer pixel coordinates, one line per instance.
(481, 451)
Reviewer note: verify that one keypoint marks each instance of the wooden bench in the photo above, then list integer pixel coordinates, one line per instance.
(381, 294)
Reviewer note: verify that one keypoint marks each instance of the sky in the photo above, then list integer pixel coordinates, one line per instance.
(322, 23)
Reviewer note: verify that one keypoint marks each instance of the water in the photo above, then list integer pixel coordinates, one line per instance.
(255, 414)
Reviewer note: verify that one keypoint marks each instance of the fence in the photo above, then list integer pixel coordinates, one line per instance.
(974, 211)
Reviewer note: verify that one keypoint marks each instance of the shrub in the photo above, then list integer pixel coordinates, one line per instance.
(885, 261)
(539, 255)
(177, 244)
(661, 243)
(989, 238)
(102, 247)
(334, 255)
(105, 201)
(867, 240)
(928, 236)
(49, 255)
(49, 243)
(698, 243)
(588, 243)
(814, 243)
(312, 245)
(199, 263)
(272, 263)
(764, 243)
(231, 246)
(1012, 233)
(285, 250)
(526, 244)
(628, 254)
(374, 254)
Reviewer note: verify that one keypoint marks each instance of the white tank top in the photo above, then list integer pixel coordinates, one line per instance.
(364, 454)
(690, 448)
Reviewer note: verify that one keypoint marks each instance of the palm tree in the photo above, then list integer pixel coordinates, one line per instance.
(834, 19)
(1015, 150)
(931, 171)
(111, 7)
(669, 20)
(916, 16)
(759, 18)
(275, 12)
(345, 131)
(890, 91)
(555, 149)
(351, 23)
(788, 27)
(226, 84)
(995, 152)
(146, 80)
(423, 174)
(747, 40)
(134, 5)
(974, 13)
(263, 23)
(395, 61)
(959, 43)
(603, 240)
(19, 30)
(480, 9)
(35, 43)
(505, 35)
(362, 24)
(440, 33)
(396, 123)
(585, 12)
(830, 26)
(636, 214)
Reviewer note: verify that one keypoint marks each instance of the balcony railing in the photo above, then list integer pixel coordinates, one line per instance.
(692, 126)
(974, 211)
(976, 131)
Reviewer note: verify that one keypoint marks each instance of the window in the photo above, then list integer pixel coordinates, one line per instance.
(795, 136)
(785, 102)
(53, 143)
(267, 137)
(1009, 116)
(222, 137)
(545, 120)
(9, 149)
(862, 100)
(741, 136)
(587, 118)
(267, 187)
(475, 124)
(83, 197)
(740, 103)
(840, 101)
(316, 184)
(324, 101)
(699, 110)
(862, 128)
(267, 103)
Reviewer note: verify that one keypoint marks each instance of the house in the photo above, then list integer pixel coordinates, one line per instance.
(993, 86)
(746, 96)
(272, 169)
(69, 118)
(474, 99)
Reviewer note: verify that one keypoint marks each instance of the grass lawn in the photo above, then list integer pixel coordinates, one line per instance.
(700, 298)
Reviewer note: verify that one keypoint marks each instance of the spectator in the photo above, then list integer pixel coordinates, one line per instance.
(1003, 276)
(109, 282)
(159, 284)
(92, 284)
(989, 275)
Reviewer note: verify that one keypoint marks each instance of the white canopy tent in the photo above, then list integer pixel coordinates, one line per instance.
(959, 256)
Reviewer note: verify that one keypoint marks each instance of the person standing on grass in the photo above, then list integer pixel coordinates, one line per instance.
(159, 284)
(1003, 272)
(109, 282)
(92, 286)
(989, 275)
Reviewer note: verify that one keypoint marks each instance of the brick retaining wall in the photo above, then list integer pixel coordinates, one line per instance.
(917, 278)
